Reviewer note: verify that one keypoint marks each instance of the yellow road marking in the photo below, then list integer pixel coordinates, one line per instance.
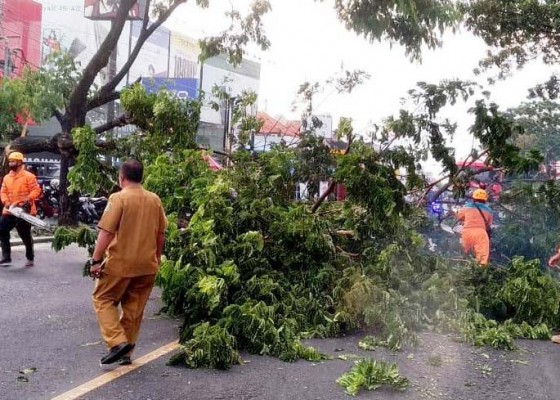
(116, 373)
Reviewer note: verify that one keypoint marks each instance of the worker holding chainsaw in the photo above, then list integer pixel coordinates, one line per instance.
(21, 189)
(477, 220)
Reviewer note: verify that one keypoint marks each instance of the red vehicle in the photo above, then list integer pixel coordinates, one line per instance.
(485, 177)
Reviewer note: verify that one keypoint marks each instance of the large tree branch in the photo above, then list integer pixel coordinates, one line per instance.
(117, 122)
(78, 98)
(99, 100)
(145, 33)
(106, 145)
(58, 115)
(33, 144)
(451, 177)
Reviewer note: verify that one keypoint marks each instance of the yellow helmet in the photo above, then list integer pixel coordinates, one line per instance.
(480, 194)
(15, 156)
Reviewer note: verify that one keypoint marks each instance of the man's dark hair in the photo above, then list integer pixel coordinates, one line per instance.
(132, 170)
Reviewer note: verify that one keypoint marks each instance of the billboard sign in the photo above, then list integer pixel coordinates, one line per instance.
(106, 10)
(180, 88)
(64, 29)
(184, 53)
(153, 59)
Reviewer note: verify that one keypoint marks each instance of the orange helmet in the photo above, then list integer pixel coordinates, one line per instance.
(15, 156)
(480, 194)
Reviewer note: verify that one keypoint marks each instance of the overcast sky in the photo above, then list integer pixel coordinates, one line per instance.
(309, 43)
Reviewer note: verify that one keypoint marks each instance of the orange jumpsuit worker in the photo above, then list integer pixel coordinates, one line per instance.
(477, 219)
(19, 188)
(131, 238)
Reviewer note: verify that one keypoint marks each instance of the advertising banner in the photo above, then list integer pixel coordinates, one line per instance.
(64, 28)
(180, 88)
(184, 54)
(106, 10)
(153, 59)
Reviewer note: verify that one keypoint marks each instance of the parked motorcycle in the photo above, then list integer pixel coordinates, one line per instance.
(47, 204)
(99, 203)
(89, 211)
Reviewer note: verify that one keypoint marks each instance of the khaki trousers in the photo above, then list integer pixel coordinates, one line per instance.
(132, 294)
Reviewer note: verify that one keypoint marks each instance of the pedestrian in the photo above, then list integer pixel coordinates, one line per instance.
(126, 260)
(19, 188)
(477, 220)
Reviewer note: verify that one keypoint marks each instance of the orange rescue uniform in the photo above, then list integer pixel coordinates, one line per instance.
(18, 187)
(474, 237)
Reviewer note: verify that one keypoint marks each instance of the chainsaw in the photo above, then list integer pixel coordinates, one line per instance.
(19, 213)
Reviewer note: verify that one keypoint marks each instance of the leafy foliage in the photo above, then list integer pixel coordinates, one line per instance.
(37, 94)
(167, 124)
(371, 375)
(411, 24)
(539, 120)
(534, 296)
(89, 174)
(83, 236)
(260, 271)
(241, 31)
(530, 225)
(211, 346)
(516, 31)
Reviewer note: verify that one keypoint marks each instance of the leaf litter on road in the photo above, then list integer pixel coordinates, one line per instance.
(23, 377)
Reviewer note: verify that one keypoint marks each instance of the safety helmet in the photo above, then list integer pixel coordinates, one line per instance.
(15, 156)
(54, 183)
(480, 194)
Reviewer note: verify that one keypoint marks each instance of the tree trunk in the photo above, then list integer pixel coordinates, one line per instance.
(65, 217)
(68, 214)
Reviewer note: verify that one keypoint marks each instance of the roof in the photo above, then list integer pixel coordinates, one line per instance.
(278, 126)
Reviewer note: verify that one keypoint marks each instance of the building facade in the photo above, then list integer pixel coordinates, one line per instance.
(167, 60)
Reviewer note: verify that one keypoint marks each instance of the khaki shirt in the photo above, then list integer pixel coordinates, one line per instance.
(136, 217)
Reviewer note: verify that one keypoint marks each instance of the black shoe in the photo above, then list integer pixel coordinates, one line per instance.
(5, 262)
(125, 360)
(116, 353)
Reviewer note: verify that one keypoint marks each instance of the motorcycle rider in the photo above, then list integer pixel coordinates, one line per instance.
(19, 188)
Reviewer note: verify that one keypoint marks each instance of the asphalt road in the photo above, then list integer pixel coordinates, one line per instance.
(47, 324)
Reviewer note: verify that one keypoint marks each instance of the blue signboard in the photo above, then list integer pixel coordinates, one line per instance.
(181, 88)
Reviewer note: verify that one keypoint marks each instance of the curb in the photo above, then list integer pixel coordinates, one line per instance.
(40, 239)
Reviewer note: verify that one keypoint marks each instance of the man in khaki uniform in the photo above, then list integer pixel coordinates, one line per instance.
(126, 260)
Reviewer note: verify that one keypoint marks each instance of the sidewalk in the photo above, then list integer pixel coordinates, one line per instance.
(16, 241)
